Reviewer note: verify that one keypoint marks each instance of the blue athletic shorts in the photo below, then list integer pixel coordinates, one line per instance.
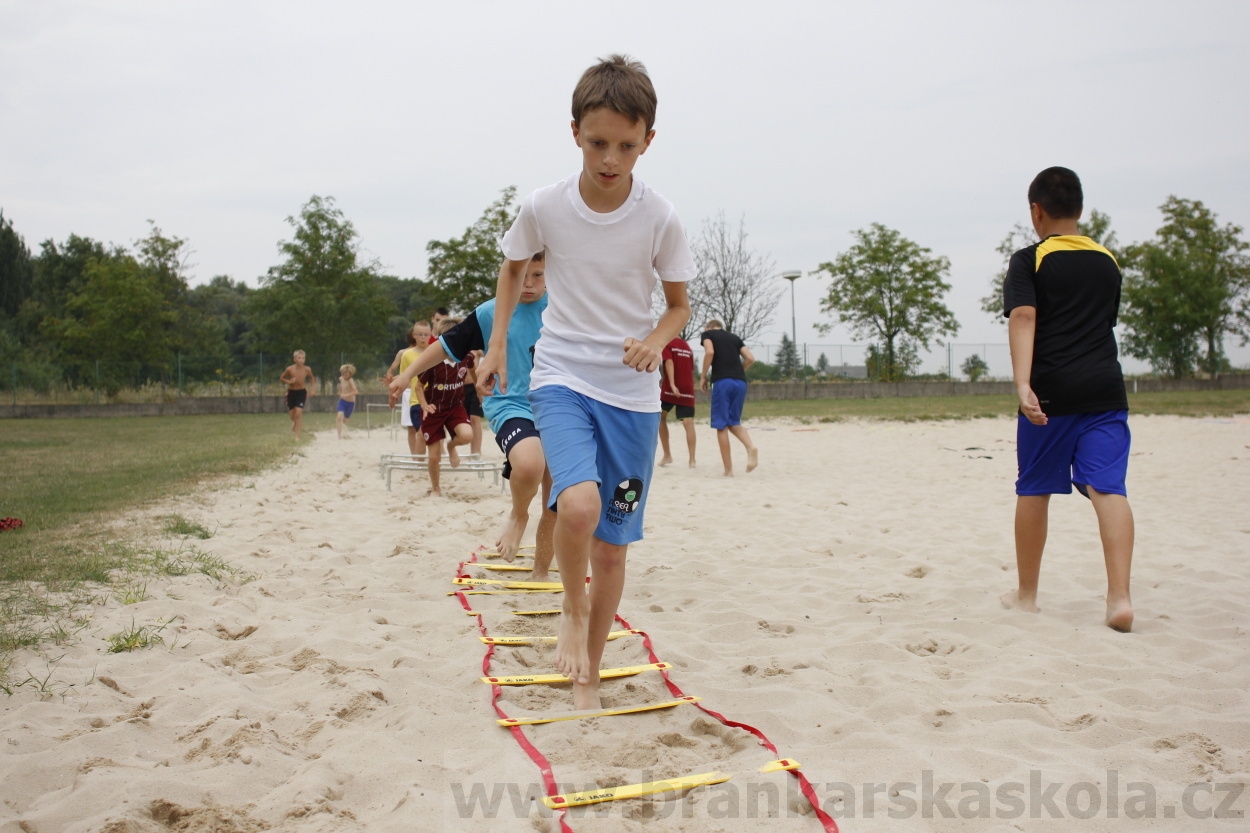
(1080, 449)
(345, 408)
(728, 395)
(585, 440)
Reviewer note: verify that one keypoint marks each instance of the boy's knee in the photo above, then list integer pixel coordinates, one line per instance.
(579, 506)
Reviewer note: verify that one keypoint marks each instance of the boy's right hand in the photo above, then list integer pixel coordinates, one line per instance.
(1029, 406)
(491, 370)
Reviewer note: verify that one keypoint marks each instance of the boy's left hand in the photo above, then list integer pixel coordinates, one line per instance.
(641, 356)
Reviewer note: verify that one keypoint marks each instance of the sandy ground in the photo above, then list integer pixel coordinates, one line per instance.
(843, 599)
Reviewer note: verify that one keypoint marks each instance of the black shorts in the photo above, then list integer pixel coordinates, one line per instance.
(510, 433)
(472, 403)
(683, 411)
(296, 399)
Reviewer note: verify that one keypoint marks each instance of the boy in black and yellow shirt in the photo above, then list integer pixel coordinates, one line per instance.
(1061, 297)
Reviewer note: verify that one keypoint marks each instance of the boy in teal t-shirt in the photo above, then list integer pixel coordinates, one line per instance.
(509, 414)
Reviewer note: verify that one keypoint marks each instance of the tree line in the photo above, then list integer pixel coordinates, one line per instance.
(76, 303)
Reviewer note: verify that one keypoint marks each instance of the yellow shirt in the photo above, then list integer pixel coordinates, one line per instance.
(405, 360)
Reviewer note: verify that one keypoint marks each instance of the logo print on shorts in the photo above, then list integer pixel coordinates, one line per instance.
(628, 495)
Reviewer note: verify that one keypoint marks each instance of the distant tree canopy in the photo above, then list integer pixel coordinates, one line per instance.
(465, 270)
(320, 299)
(1186, 290)
(889, 290)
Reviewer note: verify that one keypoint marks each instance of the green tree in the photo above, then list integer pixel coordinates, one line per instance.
(1186, 290)
(465, 269)
(413, 299)
(974, 367)
(1096, 228)
(822, 365)
(223, 302)
(888, 289)
(320, 299)
(121, 320)
(17, 272)
(60, 273)
(787, 358)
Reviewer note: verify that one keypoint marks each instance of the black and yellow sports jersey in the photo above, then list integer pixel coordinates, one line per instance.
(1074, 284)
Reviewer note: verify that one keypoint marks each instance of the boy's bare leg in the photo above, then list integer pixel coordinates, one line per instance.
(753, 454)
(462, 434)
(579, 508)
(722, 440)
(475, 423)
(1032, 517)
(338, 423)
(1116, 528)
(544, 536)
(434, 451)
(528, 466)
(607, 580)
(297, 421)
(416, 443)
(689, 424)
(668, 455)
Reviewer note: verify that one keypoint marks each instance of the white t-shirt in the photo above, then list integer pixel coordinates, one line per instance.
(601, 270)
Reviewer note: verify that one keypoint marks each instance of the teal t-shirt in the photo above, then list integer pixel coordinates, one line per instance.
(474, 334)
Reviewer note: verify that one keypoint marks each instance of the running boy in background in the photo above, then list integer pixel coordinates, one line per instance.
(677, 391)
(727, 358)
(299, 381)
(593, 388)
(510, 416)
(347, 398)
(441, 394)
(1062, 298)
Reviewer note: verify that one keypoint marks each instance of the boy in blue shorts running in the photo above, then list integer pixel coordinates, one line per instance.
(593, 387)
(1061, 298)
(509, 415)
(726, 359)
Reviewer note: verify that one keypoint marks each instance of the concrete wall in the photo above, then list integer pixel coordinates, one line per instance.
(757, 391)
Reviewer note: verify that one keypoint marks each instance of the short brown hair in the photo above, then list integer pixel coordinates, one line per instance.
(539, 257)
(620, 84)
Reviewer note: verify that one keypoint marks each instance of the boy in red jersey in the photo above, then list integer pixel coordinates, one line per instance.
(441, 392)
(677, 391)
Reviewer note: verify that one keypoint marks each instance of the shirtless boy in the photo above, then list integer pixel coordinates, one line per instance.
(299, 381)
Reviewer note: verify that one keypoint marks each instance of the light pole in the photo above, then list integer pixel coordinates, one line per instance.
(792, 276)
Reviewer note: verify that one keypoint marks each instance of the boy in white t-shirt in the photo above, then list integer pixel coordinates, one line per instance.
(593, 386)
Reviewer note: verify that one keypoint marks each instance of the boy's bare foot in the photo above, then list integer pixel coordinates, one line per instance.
(753, 458)
(666, 460)
(1012, 601)
(453, 456)
(587, 696)
(692, 464)
(572, 659)
(729, 472)
(510, 539)
(1120, 617)
(539, 575)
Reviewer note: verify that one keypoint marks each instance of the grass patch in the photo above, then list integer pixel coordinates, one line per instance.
(1204, 403)
(136, 637)
(65, 477)
(178, 525)
(68, 478)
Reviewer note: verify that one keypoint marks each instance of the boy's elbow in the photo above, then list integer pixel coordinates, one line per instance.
(1023, 315)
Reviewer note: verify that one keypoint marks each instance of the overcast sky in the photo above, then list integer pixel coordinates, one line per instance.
(807, 119)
